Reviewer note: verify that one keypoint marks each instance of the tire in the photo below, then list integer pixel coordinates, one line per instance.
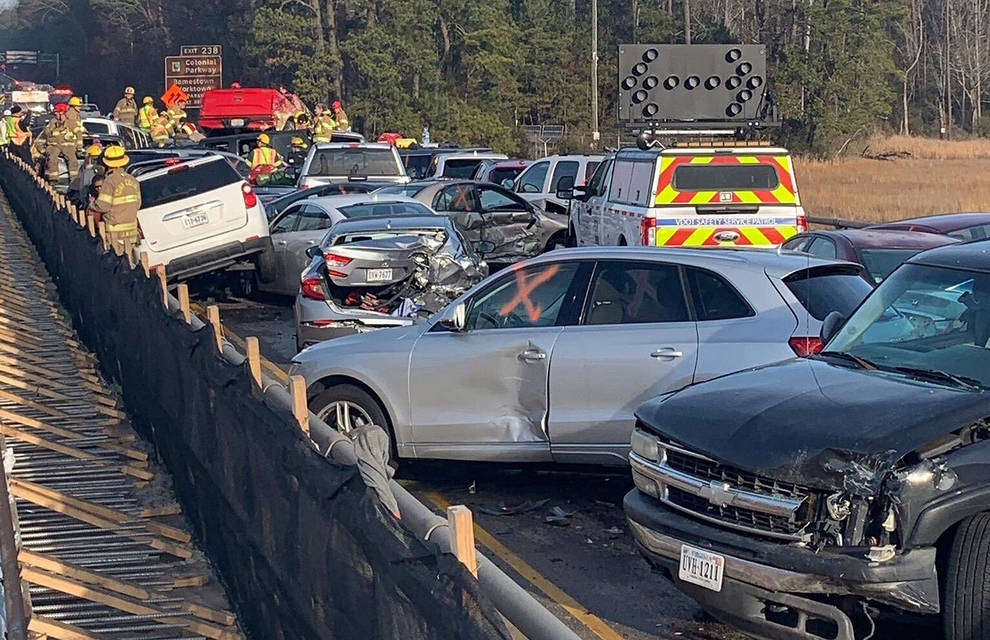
(355, 396)
(967, 582)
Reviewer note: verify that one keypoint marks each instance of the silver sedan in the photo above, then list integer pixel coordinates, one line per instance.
(304, 224)
(547, 361)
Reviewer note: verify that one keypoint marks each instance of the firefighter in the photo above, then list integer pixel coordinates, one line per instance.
(297, 152)
(323, 125)
(19, 134)
(161, 129)
(119, 200)
(264, 154)
(302, 121)
(62, 140)
(74, 118)
(343, 123)
(187, 131)
(176, 113)
(4, 136)
(79, 188)
(126, 109)
(147, 114)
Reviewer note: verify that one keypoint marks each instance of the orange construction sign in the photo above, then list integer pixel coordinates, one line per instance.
(173, 94)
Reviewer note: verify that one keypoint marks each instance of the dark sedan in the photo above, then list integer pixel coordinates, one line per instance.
(962, 226)
(880, 251)
(489, 212)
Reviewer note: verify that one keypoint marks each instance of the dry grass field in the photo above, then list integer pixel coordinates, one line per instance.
(938, 177)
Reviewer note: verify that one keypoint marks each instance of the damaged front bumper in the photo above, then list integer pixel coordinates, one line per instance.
(782, 591)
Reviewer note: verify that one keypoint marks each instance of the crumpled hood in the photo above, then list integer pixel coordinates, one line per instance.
(813, 423)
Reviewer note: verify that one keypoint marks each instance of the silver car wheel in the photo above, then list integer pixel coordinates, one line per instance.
(345, 416)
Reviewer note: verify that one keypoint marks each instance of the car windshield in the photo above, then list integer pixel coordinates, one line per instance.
(417, 166)
(368, 209)
(828, 289)
(925, 321)
(408, 190)
(460, 168)
(880, 263)
(354, 162)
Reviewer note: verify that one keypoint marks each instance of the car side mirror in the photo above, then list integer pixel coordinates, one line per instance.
(565, 188)
(314, 251)
(455, 319)
(831, 325)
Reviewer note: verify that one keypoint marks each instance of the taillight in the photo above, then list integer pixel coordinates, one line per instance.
(250, 200)
(178, 168)
(805, 346)
(802, 223)
(312, 288)
(334, 260)
(648, 231)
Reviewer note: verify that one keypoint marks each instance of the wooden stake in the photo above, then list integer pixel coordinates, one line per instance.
(163, 279)
(183, 291)
(213, 316)
(91, 225)
(145, 264)
(102, 230)
(129, 251)
(254, 359)
(461, 525)
(297, 387)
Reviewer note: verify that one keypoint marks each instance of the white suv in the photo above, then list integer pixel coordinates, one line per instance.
(200, 216)
(538, 183)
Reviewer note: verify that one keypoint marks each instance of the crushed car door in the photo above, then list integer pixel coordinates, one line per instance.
(481, 393)
(636, 341)
(509, 223)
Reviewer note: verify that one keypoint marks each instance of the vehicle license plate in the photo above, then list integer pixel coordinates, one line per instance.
(196, 220)
(379, 275)
(701, 568)
(237, 122)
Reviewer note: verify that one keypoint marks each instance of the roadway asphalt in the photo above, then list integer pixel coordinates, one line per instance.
(559, 531)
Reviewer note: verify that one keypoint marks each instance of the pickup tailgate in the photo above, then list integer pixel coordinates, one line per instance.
(191, 203)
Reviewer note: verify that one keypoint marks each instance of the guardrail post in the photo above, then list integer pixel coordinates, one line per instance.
(213, 316)
(129, 251)
(163, 279)
(254, 359)
(102, 227)
(90, 224)
(183, 295)
(461, 524)
(146, 264)
(16, 607)
(297, 388)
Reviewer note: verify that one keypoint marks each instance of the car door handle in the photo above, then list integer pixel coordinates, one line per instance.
(533, 355)
(667, 352)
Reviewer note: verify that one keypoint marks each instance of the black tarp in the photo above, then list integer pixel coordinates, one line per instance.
(303, 546)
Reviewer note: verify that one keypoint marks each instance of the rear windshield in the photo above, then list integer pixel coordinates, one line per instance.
(880, 263)
(417, 166)
(187, 181)
(354, 162)
(462, 169)
(498, 176)
(97, 127)
(725, 177)
(408, 190)
(822, 291)
(385, 209)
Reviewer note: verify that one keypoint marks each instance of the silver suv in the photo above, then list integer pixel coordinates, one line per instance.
(547, 361)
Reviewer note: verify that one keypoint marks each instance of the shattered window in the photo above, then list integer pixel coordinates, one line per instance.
(636, 293)
(526, 298)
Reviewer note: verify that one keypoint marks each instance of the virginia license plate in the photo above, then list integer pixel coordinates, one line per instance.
(701, 568)
(379, 275)
(196, 220)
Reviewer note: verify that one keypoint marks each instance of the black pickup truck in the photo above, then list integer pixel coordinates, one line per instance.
(809, 498)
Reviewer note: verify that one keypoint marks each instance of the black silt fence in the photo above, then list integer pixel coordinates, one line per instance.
(303, 546)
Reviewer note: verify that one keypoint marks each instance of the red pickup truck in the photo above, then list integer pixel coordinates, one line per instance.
(236, 110)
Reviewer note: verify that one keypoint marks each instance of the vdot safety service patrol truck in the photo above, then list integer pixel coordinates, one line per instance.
(701, 176)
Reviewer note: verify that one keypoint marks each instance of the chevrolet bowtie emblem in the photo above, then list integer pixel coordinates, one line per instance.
(719, 494)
